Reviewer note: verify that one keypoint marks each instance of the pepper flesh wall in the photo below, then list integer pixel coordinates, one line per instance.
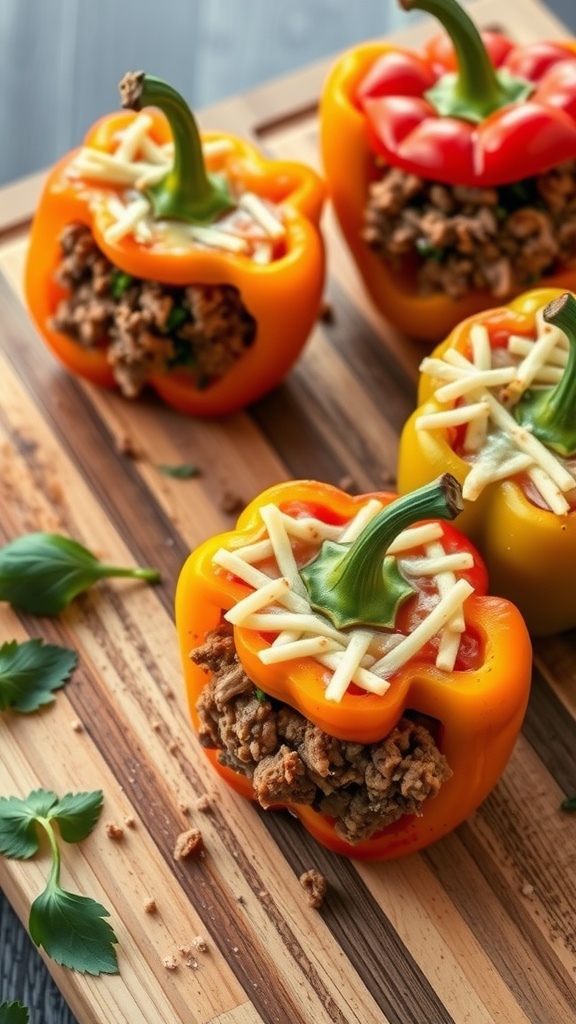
(477, 706)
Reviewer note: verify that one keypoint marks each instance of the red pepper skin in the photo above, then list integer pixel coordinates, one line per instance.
(480, 707)
(368, 74)
(284, 296)
(517, 141)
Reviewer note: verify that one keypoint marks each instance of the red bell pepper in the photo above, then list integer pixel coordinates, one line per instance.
(481, 112)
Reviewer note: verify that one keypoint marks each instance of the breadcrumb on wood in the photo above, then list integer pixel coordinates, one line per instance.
(326, 312)
(150, 906)
(315, 887)
(188, 844)
(170, 963)
(114, 831)
(203, 803)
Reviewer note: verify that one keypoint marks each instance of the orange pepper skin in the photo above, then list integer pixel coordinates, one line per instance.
(529, 551)
(283, 296)
(479, 708)
(349, 170)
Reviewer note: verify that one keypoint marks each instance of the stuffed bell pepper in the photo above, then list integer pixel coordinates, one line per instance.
(343, 660)
(497, 411)
(188, 263)
(453, 170)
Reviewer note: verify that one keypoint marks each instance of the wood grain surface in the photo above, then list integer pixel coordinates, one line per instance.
(478, 929)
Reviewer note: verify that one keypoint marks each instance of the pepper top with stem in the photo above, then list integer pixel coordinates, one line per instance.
(187, 192)
(477, 89)
(550, 413)
(356, 584)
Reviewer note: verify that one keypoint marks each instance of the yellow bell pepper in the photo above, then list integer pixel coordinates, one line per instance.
(525, 528)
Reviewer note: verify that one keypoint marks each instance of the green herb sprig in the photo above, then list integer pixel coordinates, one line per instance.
(70, 927)
(185, 471)
(41, 573)
(569, 804)
(13, 1013)
(30, 672)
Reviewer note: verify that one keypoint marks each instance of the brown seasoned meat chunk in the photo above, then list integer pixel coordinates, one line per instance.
(364, 787)
(499, 239)
(148, 328)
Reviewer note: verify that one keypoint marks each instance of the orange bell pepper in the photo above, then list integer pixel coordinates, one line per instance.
(474, 705)
(529, 545)
(282, 296)
(478, 113)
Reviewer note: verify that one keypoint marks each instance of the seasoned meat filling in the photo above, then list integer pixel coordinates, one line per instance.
(289, 759)
(149, 328)
(466, 239)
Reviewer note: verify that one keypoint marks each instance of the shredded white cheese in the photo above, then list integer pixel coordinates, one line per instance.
(138, 162)
(358, 644)
(133, 213)
(497, 446)
(278, 604)
(427, 628)
(258, 599)
(261, 213)
(213, 238)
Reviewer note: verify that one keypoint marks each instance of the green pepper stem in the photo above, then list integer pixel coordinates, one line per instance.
(187, 192)
(550, 412)
(478, 88)
(355, 584)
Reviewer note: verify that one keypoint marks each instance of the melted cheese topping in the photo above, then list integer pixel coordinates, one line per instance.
(497, 447)
(279, 604)
(253, 228)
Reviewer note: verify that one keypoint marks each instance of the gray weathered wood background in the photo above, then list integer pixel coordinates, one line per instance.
(60, 61)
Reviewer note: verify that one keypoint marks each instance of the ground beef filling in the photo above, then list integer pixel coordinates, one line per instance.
(149, 328)
(464, 239)
(290, 760)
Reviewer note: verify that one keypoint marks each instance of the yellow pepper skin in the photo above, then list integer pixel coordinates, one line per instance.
(349, 167)
(479, 706)
(530, 552)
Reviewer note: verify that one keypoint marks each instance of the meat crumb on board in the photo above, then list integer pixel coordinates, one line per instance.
(126, 446)
(326, 314)
(315, 886)
(130, 821)
(76, 726)
(231, 503)
(114, 831)
(150, 906)
(203, 803)
(188, 844)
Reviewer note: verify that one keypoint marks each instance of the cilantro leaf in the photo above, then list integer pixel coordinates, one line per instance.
(569, 804)
(70, 927)
(30, 671)
(184, 472)
(77, 814)
(72, 931)
(42, 573)
(18, 833)
(13, 1013)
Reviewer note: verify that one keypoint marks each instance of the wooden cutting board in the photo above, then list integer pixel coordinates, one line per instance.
(481, 927)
